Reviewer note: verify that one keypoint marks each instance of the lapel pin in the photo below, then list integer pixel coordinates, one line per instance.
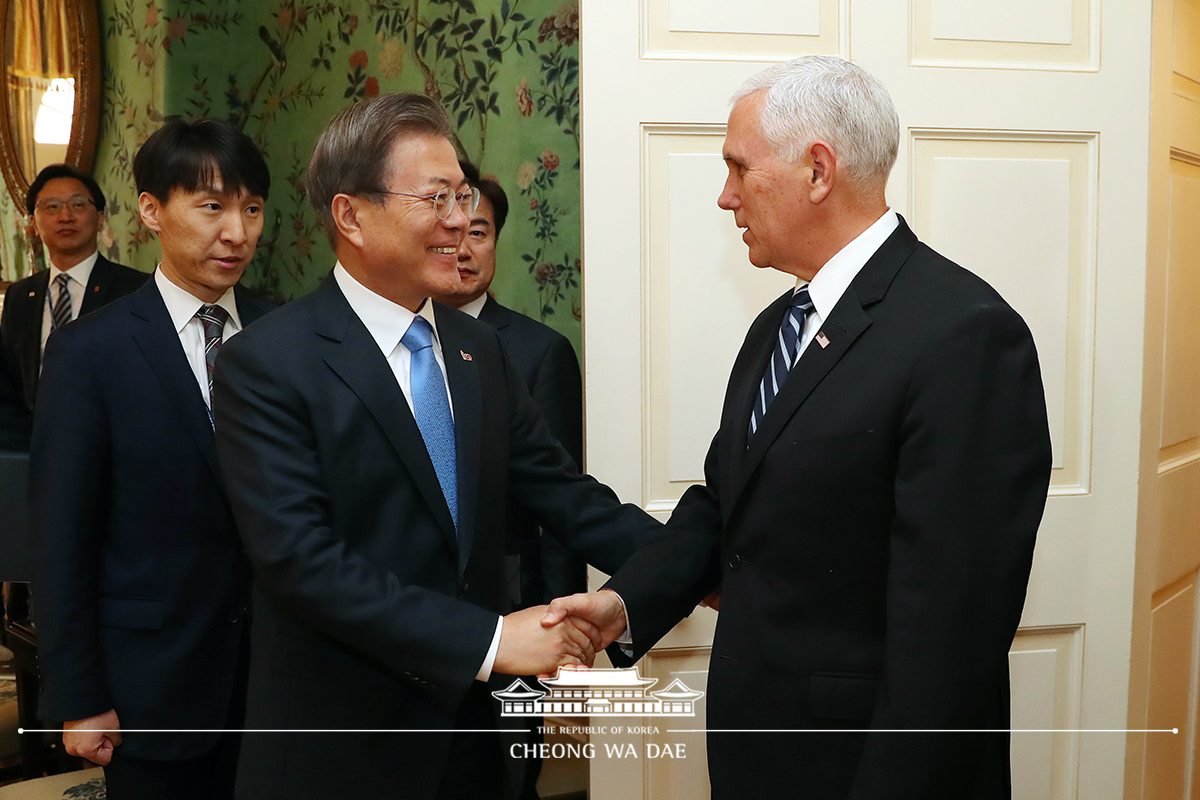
(95, 288)
(466, 356)
(822, 340)
(31, 294)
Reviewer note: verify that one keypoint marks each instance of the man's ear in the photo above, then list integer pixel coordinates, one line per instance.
(149, 207)
(345, 210)
(823, 164)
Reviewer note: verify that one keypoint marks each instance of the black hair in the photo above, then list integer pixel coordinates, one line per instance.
(489, 189)
(63, 171)
(199, 154)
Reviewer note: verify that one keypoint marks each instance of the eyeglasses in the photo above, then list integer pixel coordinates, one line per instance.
(443, 201)
(53, 205)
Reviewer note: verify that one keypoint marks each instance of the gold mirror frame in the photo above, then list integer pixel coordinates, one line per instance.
(83, 21)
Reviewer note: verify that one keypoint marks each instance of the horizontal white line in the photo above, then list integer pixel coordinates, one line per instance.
(669, 730)
(280, 730)
(926, 730)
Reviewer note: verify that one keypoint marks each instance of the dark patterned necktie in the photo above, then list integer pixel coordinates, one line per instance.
(213, 319)
(60, 314)
(783, 358)
(431, 408)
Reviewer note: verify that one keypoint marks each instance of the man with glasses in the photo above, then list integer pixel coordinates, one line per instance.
(66, 207)
(371, 441)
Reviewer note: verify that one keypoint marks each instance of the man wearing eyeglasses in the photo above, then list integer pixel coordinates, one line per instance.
(67, 210)
(371, 441)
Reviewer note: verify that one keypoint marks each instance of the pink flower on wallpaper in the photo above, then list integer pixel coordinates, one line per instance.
(524, 101)
(177, 28)
(151, 15)
(143, 54)
(533, 204)
(284, 20)
(549, 160)
(302, 14)
(372, 86)
(352, 23)
(358, 59)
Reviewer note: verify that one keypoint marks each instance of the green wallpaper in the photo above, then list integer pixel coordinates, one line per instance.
(506, 70)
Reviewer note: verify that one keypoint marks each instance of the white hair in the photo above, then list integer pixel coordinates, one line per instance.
(829, 99)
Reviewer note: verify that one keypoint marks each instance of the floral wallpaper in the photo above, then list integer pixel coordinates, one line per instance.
(507, 71)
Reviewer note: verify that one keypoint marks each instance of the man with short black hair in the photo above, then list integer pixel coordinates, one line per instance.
(546, 361)
(142, 583)
(66, 207)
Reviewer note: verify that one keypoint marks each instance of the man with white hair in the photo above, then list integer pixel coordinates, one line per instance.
(874, 490)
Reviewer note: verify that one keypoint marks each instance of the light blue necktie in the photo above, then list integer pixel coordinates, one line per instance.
(431, 407)
(783, 357)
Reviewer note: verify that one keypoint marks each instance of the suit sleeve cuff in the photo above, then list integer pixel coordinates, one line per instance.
(625, 640)
(485, 671)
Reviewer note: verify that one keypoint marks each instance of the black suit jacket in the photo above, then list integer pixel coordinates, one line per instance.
(21, 338)
(873, 543)
(140, 583)
(546, 362)
(369, 611)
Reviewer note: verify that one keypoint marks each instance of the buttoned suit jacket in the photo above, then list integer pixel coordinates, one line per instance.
(140, 581)
(873, 543)
(547, 363)
(370, 611)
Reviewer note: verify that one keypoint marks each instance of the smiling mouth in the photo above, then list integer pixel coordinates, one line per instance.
(444, 250)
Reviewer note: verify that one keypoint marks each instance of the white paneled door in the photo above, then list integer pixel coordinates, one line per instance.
(1023, 157)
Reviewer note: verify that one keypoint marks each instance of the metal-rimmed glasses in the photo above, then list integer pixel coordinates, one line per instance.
(77, 204)
(468, 201)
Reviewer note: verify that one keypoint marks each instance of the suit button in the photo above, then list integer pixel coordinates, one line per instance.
(235, 615)
(735, 562)
(463, 585)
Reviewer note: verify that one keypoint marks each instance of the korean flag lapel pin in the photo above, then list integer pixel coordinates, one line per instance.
(822, 339)
(465, 355)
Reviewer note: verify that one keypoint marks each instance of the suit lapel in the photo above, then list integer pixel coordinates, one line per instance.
(95, 295)
(159, 343)
(495, 314)
(467, 396)
(355, 357)
(848, 320)
(27, 332)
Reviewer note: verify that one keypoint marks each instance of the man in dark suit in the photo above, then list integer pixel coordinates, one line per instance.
(869, 513)
(546, 361)
(539, 568)
(67, 210)
(371, 441)
(142, 584)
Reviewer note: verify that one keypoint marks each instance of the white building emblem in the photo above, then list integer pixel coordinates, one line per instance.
(598, 693)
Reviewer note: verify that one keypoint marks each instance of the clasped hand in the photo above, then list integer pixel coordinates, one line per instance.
(568, 632)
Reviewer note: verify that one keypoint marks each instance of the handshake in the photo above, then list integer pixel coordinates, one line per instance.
(568, 632)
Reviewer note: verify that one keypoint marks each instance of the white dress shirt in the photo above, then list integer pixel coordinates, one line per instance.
(182, 306)
(475, 306)
(79, 276)
(387, 322)
(831, 281)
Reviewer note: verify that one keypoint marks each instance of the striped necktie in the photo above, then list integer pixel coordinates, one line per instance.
(431, 408)
(782, 359)
(60, 313)
(212, 319)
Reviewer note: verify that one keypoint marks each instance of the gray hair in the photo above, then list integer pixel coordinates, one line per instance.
(351, 157)
(829, 99)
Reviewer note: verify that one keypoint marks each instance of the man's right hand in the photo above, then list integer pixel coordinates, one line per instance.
(93, 738)
(603, 609)
(530, 647)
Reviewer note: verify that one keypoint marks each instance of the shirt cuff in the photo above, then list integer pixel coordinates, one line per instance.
(625, 640)
(489, 660)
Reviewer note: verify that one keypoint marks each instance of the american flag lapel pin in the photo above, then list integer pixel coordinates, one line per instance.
(465, 355)
(822, 339)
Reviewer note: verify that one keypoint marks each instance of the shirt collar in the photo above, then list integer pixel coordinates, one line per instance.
(831, 281)
(182, 305)
(475, 306)
(81, 273)
(387, 322)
